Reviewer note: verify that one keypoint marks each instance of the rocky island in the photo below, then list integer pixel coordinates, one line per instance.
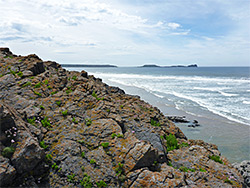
(64, 128)
(172, 66)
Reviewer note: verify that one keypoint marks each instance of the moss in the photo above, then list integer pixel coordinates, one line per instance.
(46, 82)
(37, 93)
(74, 77)
(101, 184)
(65, 113)
(216, 158)
(43, 145)
(38, 85)
(202, 170)
(26, 84)
(8, 152)
(20, 74)
(83, 154)
(42, 107)
(71, 178)
(92, 161)
(155, 123)
(88, 121)
(86, 181)
(105, 144)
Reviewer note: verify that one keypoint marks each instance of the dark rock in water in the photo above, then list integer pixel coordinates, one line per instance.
(68, 129)
(178, 119)
(194, 124)
(244, 169)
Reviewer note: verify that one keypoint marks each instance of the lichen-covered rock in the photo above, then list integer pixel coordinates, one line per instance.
(69, 129)
(244, 169)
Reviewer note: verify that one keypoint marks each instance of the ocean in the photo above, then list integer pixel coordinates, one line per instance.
(218, 97)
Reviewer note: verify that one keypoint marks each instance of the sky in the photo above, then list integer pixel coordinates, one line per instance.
(129, 32)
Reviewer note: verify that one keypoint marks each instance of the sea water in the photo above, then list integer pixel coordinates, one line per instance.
(219, 97)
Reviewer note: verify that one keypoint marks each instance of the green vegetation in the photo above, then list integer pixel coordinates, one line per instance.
(83, 169)
(8, 56)
(169, 163)
(20, 74)
(185, 169)
(105, 144)
(65, 113)
(26, 84)
(120, 172)
(155, 123)
(172, 142)
(101, 184)
(95, 95)
(53, 92)
(58, 103)
(71, 178)
(48, 157)
(32, 77)
(83, 154)
(122, 106)
(54, 166)
(88, 121)
(216, 158)
(92, 161)
(202, 170)
(113, 135)
(86, 181)
(49, 87)
(228, 181)
(37, 93)
(42, 107)
(183, 144)
(38, 85)
(46, 82)
(46, 123)
(74, 77)
(8, 152)
(69, 90)
(1, 75)
(120, 135)
(43, 145)
(74, 120)
(12, 72)
(32, 121)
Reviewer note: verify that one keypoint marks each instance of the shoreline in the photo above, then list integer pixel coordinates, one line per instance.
(221, 130)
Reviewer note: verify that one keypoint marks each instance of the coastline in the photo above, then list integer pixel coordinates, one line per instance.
(226, 134)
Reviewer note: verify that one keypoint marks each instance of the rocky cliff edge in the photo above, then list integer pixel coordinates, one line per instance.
(69, 129)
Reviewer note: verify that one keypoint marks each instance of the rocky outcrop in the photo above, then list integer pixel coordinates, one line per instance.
(69, 129)
(244, 169)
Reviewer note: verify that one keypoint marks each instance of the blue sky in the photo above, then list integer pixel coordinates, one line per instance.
(129, 32)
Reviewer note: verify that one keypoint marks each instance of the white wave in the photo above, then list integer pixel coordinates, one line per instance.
(215, 89)
(210, 108)
(160, 96)
(248, 90)
(246, 102)
(182, 78)
(228, 94)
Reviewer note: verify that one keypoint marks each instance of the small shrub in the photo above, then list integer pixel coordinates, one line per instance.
(8, 152)
(202, 170)
(74, 77)
(83, 169)
(46, 123)
(113, 135)
(169, 163)
(20, 74)
(86, 181)
(48, 157)
(74, 120)
(120, 135)
(65, 113)
(1, 75)
(37, 93)
(155, 123)
(49, 87)
(31, 121)
(26, 84)
(83, 154)
(105, 144)
(32, 77)
(43, 145)
(42, 107)
(38, 85)
(183, 169)
(95, 95)
(46, 82)
(119, 170)
(216, 158)
(58, 103)
(88, 122)
(101, 184)
(8, 56)
(53, 92)
(12, 72)
(71, 178)
(54, 166)
(172, 142)
(69, 90)
(92, 161)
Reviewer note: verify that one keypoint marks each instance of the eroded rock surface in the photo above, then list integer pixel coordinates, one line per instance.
(69, 129)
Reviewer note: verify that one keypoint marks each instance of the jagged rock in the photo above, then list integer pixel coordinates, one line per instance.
(244, 169)
(82, 132)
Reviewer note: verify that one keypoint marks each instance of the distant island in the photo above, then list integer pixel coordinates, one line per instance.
(173, 66)
(85, 65)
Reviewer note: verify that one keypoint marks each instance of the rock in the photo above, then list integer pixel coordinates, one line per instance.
(69, 129)
(178, 119)
(244, 169)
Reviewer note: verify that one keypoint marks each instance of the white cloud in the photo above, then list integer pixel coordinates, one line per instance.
(173, 25)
